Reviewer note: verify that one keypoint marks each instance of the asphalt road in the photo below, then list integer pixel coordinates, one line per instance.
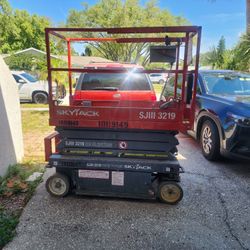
(214, 214)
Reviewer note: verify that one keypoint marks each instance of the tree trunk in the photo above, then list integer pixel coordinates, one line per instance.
(248, 16)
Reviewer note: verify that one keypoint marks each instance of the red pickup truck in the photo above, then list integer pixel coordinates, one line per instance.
(114, 89)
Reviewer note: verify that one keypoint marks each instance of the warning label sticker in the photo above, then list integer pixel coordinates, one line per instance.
(94, 174)
(117, 178)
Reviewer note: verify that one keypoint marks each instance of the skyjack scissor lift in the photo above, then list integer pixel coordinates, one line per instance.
(123, 151)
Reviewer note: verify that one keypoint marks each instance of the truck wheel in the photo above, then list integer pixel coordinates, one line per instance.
(58, 185)
(40, 98)
(210, 141)
(161, 81)
(170, 192)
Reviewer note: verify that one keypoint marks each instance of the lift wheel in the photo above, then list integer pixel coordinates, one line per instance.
(170, 192)
(58, 185)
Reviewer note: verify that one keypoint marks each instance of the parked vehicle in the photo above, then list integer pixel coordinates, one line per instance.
(222, 123)
(31, 89)
(113, 88)
(158, 78)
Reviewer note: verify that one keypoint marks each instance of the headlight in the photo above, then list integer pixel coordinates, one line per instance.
(239, 119)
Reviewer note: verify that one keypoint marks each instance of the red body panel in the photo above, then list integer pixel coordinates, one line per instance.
(144, 117)
(129, 110)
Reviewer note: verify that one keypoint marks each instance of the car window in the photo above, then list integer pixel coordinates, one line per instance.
(29, 77)
(120, 81)
(169, 87)
(228, 83)
(198, 89)
(17, 78)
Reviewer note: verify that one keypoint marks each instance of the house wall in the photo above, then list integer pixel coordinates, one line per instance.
(11, 139)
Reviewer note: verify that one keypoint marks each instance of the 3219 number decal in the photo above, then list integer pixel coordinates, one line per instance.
(147, 115)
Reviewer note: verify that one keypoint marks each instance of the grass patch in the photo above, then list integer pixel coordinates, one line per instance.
(158, 88)
(35, 121)
(35, 127)
(15, 192)
(34, 105)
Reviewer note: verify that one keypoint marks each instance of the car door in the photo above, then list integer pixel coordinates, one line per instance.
(23, 87)
(168, 90)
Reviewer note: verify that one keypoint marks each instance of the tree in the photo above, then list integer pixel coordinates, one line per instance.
(37, 65)
(6, 25)
(121, 13)
(242, 53)
(20, 30)
(220, 52)
(209, 58)
(88, 51)
(215, 57)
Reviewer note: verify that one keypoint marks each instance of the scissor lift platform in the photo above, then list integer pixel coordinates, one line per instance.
(117, 177)
(122, 151)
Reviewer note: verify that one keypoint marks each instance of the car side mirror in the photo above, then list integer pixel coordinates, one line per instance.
(22, 81)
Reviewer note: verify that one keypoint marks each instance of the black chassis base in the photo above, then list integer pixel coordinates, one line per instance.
(116, 176)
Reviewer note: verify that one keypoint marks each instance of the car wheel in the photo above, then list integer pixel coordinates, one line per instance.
(161, 81)
(40, 98)
(210, 141)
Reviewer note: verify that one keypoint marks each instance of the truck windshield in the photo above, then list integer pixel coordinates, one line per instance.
(116, 81)
(29, 77)
(229, 83)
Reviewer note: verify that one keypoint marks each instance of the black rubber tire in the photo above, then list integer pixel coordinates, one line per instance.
(49, 185)
(161, 81)
(170, 188)
(210, 149)
(40, 98)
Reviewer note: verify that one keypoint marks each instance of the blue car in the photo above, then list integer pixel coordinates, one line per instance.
(222, 116)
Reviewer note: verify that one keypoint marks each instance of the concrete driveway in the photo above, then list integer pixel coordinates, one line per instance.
(214, 214)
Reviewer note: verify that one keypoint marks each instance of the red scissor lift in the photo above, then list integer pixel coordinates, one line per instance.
(123, 151)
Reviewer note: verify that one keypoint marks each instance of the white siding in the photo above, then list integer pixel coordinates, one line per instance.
(11, 139)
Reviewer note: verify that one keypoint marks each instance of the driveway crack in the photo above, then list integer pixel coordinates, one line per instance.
(226, 220)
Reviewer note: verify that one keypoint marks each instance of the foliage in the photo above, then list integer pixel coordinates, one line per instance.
(242, 53)
(11, 185)
(20, 62)
(215, 57)
(20, 30)
(220, 52)
(237, 58)
(14, 181)
(219, 57)
(8, 224)
(37, 65)
(118, 13)
(88, 51)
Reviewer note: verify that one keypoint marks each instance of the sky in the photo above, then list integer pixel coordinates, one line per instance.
(217, 17)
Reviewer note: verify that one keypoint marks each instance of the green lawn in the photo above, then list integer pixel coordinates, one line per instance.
(35, 127)
(158, 88)
(34, 105)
